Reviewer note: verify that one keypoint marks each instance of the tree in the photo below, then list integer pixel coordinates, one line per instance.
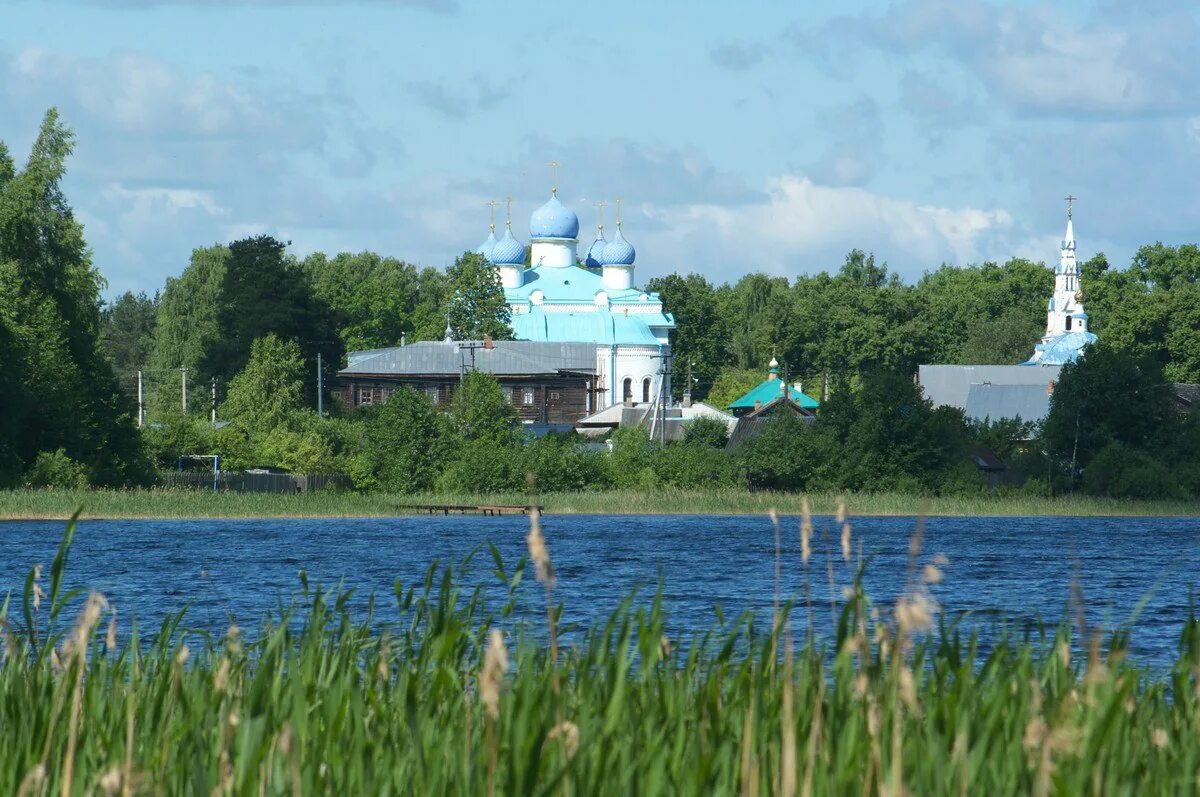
(1006, 340)
(706, 431)
(127, 329)
(1108, 397)
(733, 383)
(270, 389)
(698, 337)
(475, 304)
(480, 411)
(264, 292)
(66, 395)
(403, 445)
(187, 328)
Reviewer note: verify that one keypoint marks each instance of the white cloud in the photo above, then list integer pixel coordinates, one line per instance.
(803, 227)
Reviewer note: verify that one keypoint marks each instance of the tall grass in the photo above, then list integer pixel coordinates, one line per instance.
(443, 692)
(60, 504)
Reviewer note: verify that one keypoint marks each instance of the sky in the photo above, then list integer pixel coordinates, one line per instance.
(766, 136)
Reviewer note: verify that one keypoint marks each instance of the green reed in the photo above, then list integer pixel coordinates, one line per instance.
(158, 503)
(444, 692)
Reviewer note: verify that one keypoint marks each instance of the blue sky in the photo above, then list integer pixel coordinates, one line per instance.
(765, 136)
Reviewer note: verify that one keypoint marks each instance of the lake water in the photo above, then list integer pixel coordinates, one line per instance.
(1000, 569)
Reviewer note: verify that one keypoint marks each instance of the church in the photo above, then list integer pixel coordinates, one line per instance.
(558, 296)
(993, 392)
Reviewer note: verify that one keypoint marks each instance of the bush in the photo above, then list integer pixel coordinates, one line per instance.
(1119, 471)
(633, 461)
(691, 464)
(706, 431)
(56, 469)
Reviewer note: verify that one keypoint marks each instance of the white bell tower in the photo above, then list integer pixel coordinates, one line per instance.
(1065, 312)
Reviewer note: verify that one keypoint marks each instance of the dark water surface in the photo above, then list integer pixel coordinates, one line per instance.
(1000, 569)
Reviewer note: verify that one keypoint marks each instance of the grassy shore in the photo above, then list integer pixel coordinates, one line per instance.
(444, 693)
(61, 504)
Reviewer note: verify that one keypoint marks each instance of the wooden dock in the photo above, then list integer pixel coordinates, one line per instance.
(490, 510)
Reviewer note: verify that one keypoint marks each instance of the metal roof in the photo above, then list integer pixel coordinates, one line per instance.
(992, 402)
(766, 392)
(506, 358)
(950, 384)
(597, 328)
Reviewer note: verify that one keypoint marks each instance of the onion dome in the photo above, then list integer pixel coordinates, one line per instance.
(508, 251)
(487, 246)
(553, 220)
(618, 251)
(595, 252)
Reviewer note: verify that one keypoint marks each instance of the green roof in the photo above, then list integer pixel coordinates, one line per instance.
(768, 391)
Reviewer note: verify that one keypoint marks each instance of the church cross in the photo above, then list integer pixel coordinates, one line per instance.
(1070, 201)
(553, 177)
(508, 211)
(600, 214)
(618, 201)
(492, 213)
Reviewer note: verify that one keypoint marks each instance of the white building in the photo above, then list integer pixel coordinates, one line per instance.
(561, 297)
(1066, 322)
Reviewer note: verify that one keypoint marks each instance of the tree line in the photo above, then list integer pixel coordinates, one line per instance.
(246, 320)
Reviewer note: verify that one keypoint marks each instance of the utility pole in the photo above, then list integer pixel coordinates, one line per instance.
(184, 372)
(214, 399)
(141, 402)
(320, 388)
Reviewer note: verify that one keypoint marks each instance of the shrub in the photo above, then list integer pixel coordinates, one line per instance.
(56, 469)
(706, 431)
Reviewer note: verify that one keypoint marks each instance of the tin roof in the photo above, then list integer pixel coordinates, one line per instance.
(768, 391)
(992, 402)
(505, 358)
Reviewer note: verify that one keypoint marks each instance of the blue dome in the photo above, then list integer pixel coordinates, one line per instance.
(553, 220)
(1062, 349)
(618, 251)
(508, 251)
(487, 246)
(595, 252)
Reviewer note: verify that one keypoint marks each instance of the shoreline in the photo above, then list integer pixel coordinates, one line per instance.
(59, 505)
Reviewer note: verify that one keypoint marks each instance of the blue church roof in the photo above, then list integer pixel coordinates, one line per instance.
(1061, 349)
(768, 391)
(553, 220)
(599, 328)
(569, 284)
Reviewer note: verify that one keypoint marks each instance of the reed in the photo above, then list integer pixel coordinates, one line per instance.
(61, 504)
(443, 692)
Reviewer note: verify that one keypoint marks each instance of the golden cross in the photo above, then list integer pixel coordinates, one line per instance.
(508, 211)
(618, 201)
(492, 213)
(553, 177)
(600, 214)
(1070, 200)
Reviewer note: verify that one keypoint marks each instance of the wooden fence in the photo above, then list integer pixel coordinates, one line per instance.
(255, 482)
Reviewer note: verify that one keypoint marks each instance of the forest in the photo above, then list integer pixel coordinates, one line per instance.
(245, 320)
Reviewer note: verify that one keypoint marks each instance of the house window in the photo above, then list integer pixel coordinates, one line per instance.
(554, 395)
(527, 397)
(627, 390)
(432, 392)
(366, 395)
(646, 389)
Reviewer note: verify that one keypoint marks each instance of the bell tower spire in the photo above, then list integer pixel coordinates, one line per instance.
(1065, 311)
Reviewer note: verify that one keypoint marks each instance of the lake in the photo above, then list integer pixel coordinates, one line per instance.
(1001, 569)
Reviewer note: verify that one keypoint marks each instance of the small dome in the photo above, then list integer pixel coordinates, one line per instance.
(508, 251)
(487, 246)
(553, 220)
(618, 251)
(595, 252)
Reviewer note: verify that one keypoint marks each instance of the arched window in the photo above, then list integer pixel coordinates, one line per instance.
(646, 390)
(627, 391)
(1068, 323)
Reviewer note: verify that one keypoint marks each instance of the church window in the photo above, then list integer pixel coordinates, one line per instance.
(1068, 323)
(627, 390)
(646, 389)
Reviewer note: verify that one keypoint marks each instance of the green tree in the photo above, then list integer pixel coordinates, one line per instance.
(270, 389)
(67, 397)
(404, 448)
(1006, 340)
(188, 327)
(733, 383)
(480, 410)
(475, 304)
(127, 329)
(698, 337)
(706, 431)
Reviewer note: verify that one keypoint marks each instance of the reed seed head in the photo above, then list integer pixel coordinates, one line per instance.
(495, 664)
(806, 530)
(908, 688)
(37, 588)
(568, 732)
(110, 638)
(915, 613)
(110, 781)
(181, 656)
(538, 553)
(841, 509)
(845, 541)
(931, 574)
(1159, 738)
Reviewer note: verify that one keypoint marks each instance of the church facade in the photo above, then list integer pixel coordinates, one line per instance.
(561, 296)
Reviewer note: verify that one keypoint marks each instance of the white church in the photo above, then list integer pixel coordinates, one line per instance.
(563, 297)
